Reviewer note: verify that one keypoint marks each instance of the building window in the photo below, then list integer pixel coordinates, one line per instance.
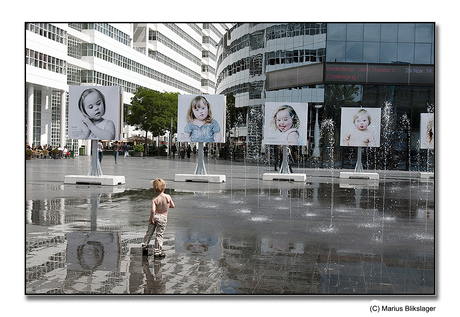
(44, 61)
(49, 31)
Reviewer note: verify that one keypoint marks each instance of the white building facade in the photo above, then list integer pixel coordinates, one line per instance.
(174, 57)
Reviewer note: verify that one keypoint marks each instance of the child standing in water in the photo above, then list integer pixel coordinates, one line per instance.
(360, 135)
(158, 217)
(286, 121)
(94, 126)
(201, 127)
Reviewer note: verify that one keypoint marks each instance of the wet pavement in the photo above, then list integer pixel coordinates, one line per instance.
(245, 236)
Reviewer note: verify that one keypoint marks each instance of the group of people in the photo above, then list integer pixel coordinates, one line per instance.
(117, 148)
(187, 149)
(46, 151)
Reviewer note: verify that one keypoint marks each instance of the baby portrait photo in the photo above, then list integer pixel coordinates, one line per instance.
(360, 127)
(201, 118)
(427, 130)
(94, 112)
(285, 123)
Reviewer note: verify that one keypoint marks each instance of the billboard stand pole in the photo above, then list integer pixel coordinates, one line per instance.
(285, 173)
(95, 167)
(200, 172)
(284, 169)
(359, 164)
(200, 168)
(359, 175)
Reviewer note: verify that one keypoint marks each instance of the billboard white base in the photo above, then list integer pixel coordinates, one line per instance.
(296, 177)
(357, 175)
(200, 178)
(108, 180)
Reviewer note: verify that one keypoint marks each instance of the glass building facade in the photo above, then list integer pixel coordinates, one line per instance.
(251, 55)
(405, 44)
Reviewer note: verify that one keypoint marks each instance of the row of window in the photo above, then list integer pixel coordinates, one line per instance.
(207, 83)
(95, 50)
(294, 29)
(173, 64)
(211, 27)
(45, 61)
(110, 31)
(371, 52)
(157, 36)
(254, 89)
(257, 39)
(49, 31)
(98, 78)
(295, 56)
(381, 32)
(255, 62)
(173, 27)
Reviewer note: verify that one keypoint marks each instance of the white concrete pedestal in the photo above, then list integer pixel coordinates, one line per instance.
(426, 175)
(296, 177)
(358, 175)
(108, 180)
(209, 178)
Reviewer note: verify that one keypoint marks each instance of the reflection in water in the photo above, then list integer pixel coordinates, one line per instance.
(315, 238)
(154, 283)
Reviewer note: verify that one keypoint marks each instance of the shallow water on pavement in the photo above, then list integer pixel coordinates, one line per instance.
(313, 238)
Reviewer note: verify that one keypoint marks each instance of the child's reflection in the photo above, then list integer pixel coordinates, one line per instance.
(155, 283)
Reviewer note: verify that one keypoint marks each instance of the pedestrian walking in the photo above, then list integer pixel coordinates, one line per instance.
(100, 150)
(125, 150)
(116, 149)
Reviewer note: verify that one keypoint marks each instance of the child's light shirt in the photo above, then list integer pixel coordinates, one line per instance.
(205, 133)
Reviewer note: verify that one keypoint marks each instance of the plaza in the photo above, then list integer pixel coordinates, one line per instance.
(246, 236)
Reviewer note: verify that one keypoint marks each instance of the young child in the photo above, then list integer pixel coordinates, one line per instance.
(158, 217)
(201, 127)
(94, 126)
(286, 121)
(360, 135)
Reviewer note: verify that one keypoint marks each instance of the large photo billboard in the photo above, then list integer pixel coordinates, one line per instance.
(95, 112)
(427, 131)
(360, 127)
(285, 123)
(201, 118)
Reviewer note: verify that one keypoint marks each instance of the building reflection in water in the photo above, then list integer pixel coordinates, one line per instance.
(276, 242)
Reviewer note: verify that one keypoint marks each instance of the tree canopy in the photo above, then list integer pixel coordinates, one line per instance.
(151, 111)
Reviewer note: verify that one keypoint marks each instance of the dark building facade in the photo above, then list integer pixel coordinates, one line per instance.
(331, 66)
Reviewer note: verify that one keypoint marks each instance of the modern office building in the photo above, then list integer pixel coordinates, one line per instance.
(175, 57)
(331, 66)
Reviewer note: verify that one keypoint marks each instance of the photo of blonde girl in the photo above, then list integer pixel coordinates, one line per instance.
(201, 123)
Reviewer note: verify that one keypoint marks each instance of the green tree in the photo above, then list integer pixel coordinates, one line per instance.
(151, 111)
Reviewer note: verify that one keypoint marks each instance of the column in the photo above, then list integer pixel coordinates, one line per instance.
(62, 137)
(30, 113)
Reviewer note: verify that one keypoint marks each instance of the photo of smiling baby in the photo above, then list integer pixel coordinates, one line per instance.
(360, 127)
(285, 123)
(94, 112)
